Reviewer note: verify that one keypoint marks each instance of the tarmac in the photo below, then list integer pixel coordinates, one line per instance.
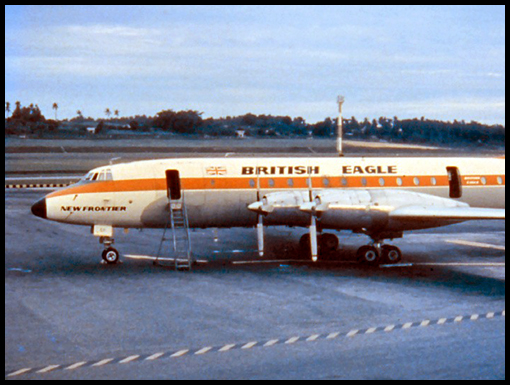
(440, 314)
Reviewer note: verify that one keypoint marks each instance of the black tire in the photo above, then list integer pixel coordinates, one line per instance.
(328, 242)
(368, 255)
(304, 242)
(391, 254)
(111, 256)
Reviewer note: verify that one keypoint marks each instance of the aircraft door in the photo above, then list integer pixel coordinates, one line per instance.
(173, 184)
(455, 182)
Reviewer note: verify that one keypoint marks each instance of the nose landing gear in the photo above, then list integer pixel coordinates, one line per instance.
(110, 255)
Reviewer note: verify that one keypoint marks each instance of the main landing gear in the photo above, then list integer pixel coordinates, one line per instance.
(110, 255)
(327, 243)
(373, 254)
(376, 253)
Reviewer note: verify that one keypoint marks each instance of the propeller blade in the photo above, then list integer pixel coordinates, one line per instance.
(260, 235)
(313, 239)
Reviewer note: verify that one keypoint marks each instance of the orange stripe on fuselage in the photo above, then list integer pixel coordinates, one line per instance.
(267, 183)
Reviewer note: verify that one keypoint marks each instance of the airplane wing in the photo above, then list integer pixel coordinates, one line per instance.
(373, 211)
(446, 213)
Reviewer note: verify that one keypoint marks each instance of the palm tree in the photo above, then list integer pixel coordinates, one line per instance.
(55, 107)
(7, 109)
(107, 112)
(116, 113)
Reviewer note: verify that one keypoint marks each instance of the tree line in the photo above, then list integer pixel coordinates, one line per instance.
(29, 120)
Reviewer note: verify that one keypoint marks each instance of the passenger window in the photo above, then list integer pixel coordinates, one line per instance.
(109, 175)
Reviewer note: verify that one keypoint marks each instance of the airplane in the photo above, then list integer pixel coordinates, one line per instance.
(381, 197)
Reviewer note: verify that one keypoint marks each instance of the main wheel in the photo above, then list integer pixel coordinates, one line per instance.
(304, 242)
(110, 256)
(328, 242)
(391, 254)
(368, 255)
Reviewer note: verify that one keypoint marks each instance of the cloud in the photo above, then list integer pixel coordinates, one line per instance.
(387, 60)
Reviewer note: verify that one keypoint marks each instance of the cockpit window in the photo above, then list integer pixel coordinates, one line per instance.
(105, 174)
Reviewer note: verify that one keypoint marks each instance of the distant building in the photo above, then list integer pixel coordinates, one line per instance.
(240, 133)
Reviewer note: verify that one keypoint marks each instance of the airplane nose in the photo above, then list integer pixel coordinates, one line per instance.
(39, 208)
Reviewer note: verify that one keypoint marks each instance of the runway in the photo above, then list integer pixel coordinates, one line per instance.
(440, 315)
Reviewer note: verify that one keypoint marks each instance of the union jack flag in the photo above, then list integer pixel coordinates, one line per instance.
(216, 170)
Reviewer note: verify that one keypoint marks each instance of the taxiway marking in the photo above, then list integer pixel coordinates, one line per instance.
(463, 242)
(254, 344)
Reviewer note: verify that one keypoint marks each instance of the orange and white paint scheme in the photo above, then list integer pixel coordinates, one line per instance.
(379, 197)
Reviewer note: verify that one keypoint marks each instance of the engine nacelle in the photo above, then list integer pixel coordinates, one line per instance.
(365, 211)
(369, 210)
(283, 208)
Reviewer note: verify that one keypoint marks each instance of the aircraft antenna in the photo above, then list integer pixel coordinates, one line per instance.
(339, 130)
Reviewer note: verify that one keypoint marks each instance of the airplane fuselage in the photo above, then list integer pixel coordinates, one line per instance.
(218, 191)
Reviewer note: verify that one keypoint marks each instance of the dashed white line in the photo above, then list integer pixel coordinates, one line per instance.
(180, 353)
(271, 343)
(129, 359)
(103, 362)
(252, 344)
(226, 348)
(76, 365)
(48, 368)
(249, 345)
(18, 372)
(203, 350)
(292, 340)
(155, 356)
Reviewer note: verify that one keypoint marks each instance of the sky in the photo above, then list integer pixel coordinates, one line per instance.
(438, 61)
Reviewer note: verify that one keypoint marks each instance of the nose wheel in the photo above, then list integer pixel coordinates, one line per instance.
(110, 255)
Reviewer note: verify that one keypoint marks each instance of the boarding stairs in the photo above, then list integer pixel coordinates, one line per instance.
(179, 239)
